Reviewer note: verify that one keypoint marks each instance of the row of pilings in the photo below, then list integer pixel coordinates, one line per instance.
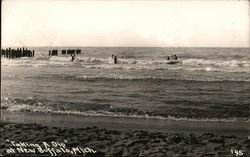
(17, 53)
(25, 52)
(54, 52)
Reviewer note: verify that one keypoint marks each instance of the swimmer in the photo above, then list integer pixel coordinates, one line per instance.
(115, 60)
(175, 57)
(72, 57)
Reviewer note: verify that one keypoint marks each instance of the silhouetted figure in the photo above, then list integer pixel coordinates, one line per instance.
(112, 56)
(115, 60)
(168, 58)
(72, 57)
(175, 57)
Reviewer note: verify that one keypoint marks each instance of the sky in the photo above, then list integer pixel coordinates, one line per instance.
(125, 23)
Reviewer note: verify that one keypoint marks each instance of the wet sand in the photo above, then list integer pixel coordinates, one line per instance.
(124, 124)
(124, 138)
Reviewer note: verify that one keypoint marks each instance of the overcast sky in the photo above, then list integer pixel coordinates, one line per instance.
(209, 23)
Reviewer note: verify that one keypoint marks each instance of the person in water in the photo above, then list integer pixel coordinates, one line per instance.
(168, 58)
(175, 57)
(112, 56)
(72, 57)
(115, 60)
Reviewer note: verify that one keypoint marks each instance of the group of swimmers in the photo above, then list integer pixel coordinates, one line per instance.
(175, 57)
(114, 58)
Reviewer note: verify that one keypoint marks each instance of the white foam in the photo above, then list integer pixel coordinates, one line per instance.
(219, 63)
(43, 109)
(60, 59)
(191, 64)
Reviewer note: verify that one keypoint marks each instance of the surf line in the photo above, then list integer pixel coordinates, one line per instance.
(54, 148)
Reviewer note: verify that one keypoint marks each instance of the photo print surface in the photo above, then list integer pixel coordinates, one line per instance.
(125, 78)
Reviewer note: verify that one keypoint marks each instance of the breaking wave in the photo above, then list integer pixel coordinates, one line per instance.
(192, 64)
(30, 105)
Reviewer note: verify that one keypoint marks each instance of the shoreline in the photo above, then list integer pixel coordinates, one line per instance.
(124, 124)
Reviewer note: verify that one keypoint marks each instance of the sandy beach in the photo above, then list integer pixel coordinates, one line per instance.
(105, 140)
(117, 143)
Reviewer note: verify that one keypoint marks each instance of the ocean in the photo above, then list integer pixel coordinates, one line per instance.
(208, 84)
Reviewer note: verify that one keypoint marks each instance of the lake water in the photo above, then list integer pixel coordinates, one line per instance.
(208, 84)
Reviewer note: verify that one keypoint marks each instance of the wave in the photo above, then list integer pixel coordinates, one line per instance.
(120, 77)
(84, 77)
(154, 61)
(191, 64)
(171, 67)
(29, 108)
(220, 63)
(59, 59)
(35, 106)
